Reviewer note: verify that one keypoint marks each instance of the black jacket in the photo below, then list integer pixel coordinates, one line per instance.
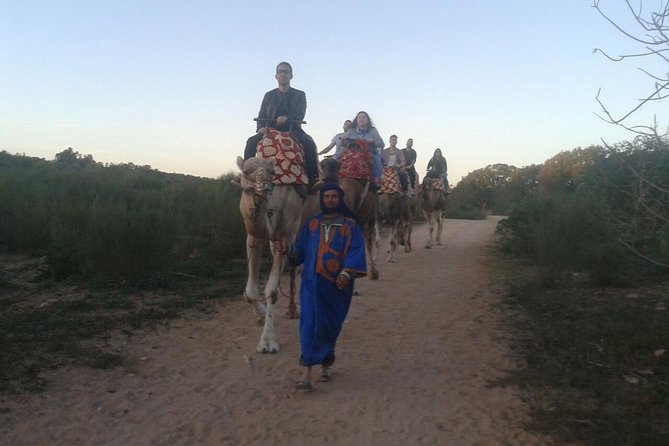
(292, 104)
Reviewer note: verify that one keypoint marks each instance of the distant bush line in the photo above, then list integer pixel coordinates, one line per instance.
(117, 222)
(601, 211)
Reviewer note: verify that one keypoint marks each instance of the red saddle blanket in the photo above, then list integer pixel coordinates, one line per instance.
(390, 183)
(356, 162)
(288, 155)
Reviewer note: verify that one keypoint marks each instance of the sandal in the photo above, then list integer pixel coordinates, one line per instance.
(325, 377)
(303, 384)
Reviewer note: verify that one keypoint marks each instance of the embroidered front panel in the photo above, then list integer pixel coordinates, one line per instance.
(332, 249)
(435, 183)
(390, 183)
(288, 155)
(356, 162)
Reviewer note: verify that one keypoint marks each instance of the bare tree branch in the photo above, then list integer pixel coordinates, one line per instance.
(639, 254)
(655, 39)
(636, 16)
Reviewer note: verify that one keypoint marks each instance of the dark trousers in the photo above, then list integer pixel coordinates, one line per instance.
(412, 176)
(404, 180)
(310, 151)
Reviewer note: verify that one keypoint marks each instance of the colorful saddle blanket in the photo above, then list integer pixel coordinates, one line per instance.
(288, 155)
(390, 183)
(434, 183)
(356, 161)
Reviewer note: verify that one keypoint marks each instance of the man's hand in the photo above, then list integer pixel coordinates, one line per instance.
(281, 246)
(342, 281)
(281, 120)
(261, 130)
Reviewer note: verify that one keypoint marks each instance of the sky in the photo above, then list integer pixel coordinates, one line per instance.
(176, 85)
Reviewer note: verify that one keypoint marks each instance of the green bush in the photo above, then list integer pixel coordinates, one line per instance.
(564, 233)
(118, 222)
(464, 212)
(612, 221)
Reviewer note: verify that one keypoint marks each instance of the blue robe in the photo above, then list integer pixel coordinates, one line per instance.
(323, 306)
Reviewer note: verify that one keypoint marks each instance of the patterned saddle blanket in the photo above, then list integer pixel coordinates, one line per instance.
(390, 183)
(288, 155)
(434, 183)
(356, 161)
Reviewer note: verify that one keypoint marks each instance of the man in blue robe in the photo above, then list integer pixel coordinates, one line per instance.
(332, 248)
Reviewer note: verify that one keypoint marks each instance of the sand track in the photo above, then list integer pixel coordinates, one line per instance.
(414, 362)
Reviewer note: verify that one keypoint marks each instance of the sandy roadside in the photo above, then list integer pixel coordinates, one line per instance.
(414, 362)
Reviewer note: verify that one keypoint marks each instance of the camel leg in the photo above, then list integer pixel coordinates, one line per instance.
(440, 227)
(407, 237)
(430, 229)
(251, 292)
(391, 247)
(372, 238)
(267, 343)
(392, 239)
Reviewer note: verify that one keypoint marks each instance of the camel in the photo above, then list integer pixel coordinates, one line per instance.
(363, 203)
(406, 221)
(271, 212)
(433, 204)
(392, 207)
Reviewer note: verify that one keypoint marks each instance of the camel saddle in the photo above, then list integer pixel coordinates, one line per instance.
(356, 161)
(434, 183)
(288, 155)
(390, 183)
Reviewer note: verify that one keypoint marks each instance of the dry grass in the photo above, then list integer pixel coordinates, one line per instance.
(45, 325)
(596, 359)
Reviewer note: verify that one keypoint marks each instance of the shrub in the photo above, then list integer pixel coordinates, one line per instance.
(117, 222)
(564, 233)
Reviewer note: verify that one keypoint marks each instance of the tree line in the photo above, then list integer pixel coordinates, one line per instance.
(117, 222)
(603, 210)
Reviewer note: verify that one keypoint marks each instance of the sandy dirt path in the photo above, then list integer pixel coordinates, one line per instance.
(414, 363)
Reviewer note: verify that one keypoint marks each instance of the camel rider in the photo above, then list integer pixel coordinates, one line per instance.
(282, 104)
(394, 157)
(337, 141)
(363, 128)
(410, 157)
(438, 168)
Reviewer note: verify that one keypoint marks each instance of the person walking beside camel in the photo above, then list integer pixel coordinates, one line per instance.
(332, 249)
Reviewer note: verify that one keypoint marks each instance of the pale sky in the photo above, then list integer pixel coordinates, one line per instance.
(176, 84)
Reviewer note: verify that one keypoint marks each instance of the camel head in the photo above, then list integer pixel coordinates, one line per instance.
(257, 175)
(330, 168)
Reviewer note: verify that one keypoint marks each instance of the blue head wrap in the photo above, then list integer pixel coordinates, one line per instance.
(341, 207)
